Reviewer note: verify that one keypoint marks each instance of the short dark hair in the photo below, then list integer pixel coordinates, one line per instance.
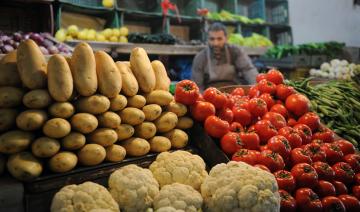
(217, 26)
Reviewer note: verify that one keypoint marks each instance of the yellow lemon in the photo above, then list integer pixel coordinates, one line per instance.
(100, 37)
(116, 32)
(124, 31)
(113, 39)
(73, 30)
(107, 32)
(123, 39)
(60, 35)
(108, 3)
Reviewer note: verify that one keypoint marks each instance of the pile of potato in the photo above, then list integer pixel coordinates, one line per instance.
(83, 110)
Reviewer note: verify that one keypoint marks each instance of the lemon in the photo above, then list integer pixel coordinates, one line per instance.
(107, 32)
(123, 39)
(73, 30)
(68, 38)
(124, 31)
(116, 32)
(113, 39)
(82, 35)
(60, 35)
(108, 3)
(100, 37)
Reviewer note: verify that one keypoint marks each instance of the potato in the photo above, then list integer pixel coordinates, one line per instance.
(15, 141)
(24, 166)
(136, 146)
(7, 119)
(151, 112)
(9, 75)
(109, 120)
(73, 141)
(10, 97)
(130, 86)
(115, 153)
(124, 131)
(37, 99)
(166, 122)
(84, 122)
(57, 128)
(162, 79)
(145, 130)
(94, 104)
(2, 164)
(132, 116)
(136, 101)
(62, 110)
(91, 154)
(184, 123)
(177, 108)
(178, 138)
(103, 136)
(31, 119)
(45, 147)
(159, 97)
(159, 144)
(63, 162)
(118, 103)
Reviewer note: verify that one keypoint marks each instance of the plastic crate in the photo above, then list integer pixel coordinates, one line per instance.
(251, 9)
(91, 4)
(277, 12)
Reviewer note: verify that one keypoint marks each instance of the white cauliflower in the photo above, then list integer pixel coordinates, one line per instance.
(85, 197)
(179, 167)
(179, 196)
(168, 209)
(133, 187)
(237, 186)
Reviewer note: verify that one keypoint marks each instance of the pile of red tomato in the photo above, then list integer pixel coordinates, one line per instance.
(271, 127)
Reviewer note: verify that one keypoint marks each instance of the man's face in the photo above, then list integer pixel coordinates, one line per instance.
(217, 39)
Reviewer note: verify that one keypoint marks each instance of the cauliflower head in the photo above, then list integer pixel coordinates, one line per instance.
(179, 167)
(178, 196)
(85, 197)
(237, 186)
(133, 187)
(168, 209)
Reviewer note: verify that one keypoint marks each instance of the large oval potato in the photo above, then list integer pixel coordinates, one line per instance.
(136, 101)
(9, 75)
(124, 131)
(31, 119)
(159, 97)
(10, 97)
(62, 110)
(184, 123)
(31, 64)
(45, 147)
(57, 128)
(132, 116)
(178, 138)
(145, 130)
(103, 136)
(118, 103)
(7, 119)
(2, 164)
(84, 122)
(15, 141)
(63, 162)
(60, 81)
(95, 104)
(177, 108)
(136, 146)
(115, 153)
(152, 112)
(73, 141)
(162, 79)
(109, 120)
(37, 99)
(159, 144)
(83, 69)
(130, 86)
(166, 122)
(24, 166)
(91, 154)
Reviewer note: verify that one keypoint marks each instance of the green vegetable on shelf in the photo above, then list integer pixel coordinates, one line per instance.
(255, 40)
(227, 16)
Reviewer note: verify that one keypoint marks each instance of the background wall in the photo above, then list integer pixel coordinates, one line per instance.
(325, 20)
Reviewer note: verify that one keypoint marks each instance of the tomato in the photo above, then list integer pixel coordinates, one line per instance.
(230, 101)
(257, 107)
(305, 133)
(250, 140)
(292, 136)
(283, 91)
(299, 155)
(236, 127)
(216, 127)
(186, 92)
(352, 204)
(357, 179)
(276, 119)
(226, 114)
(297, 104)
(343, 172)
(333, 153)
(201, 110)
(275, 76)
(260, 77)
(305, 175)
(266, 86)
(315, 152)
(268, 99)
(325, 188)
(320, 142)
(310, 119)
(242, 116)
(324, 171)
(356, 191)
(240, 103)
(279, 108)
(340, 187)
(272, 160)
(345, 146)
(246, 156)
(332, 203)
(230, 143)
(265, 130)
(285, 180)
(262, 167)
(287, 202)
(291, 122)
(307, 200)
(216, 97)
(238, 92)
(280, 145)
(354, 161)
(254, 92)
(324, 134)
(265, 147)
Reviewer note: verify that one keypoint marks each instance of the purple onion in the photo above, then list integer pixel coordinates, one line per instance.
(16, 44)
(53, 50)
(7, 48)
(17, 36)
(44, 50)
(37, 38)
(47, 43)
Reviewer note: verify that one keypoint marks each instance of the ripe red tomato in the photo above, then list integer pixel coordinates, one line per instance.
(325, 188)
(260, 77)
(260, 166)
(320, 142)
(310, 119)
(216, 127)
(315, 152)
(238, 92)
(257, 107)
(254, 92)
(268, 99)
(236, 127)
(299, 155)
(346, 146)
(230, 101)
(216, 97)
(276, 119)
(352, 204)
(332, 203)
(308, 200)
(230, 143)
(226, 114)
(275, 76)
(291, 122)
(283, 91)
(246, 156)
(265, 147)
(357, 179)
(304, 132)
(201, 110)
(305, 175)
(287, 202)
(251, 140)
(356, 191)
(186, 92)
(324, 171)
(324, 134)
(265, 130)
(272, 160)
(279, 108)
(354, 161)
(292, 136)
(340, 187)
(242, 116)
(280, 145)
(297, 104)
(285, 180)
(343, 172)
(266, 86)
(333, 153)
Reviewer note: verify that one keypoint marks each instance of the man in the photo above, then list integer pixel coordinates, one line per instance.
(220, 63)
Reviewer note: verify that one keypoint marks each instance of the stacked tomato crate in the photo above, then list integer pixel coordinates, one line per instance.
(271, 126)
